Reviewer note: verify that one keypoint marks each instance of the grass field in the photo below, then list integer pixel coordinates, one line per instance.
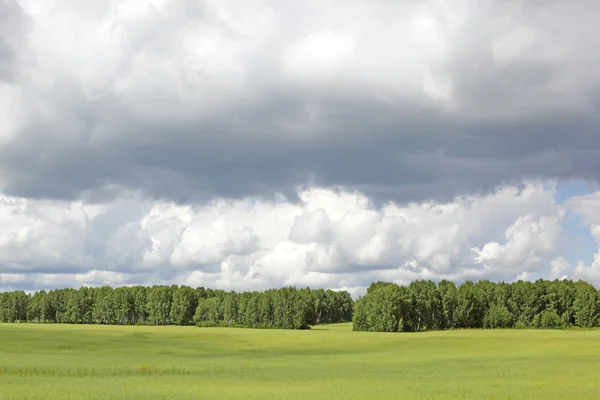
(329, 362)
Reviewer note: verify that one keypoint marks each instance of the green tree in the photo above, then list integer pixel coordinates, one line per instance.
(184, 305)
(140, 303)
(548, 319)
(159, 305)
(103, 311)
(449, 294)
(585, 306)
(230, 308)
(470, 307)
(35, 308)
(13, 306)
(498, 316)
(124, 305)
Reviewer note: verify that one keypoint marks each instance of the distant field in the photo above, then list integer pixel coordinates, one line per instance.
(328, 362)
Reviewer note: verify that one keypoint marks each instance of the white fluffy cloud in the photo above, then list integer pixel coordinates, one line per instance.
(588, 207)
(329, 238)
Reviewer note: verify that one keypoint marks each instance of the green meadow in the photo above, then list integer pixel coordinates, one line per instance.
(47, 361)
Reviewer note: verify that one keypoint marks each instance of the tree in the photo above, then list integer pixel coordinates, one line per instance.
(304, 309)
(104, 310)
(449, 294)
(230, 308)
(548, 319)
(140, 303)
(427, 305)
(585, 306)
(159, 305)
(124, 305)
(385, 308)
(498, 316)
(35, 308)
(183, 307)
(252, 312)
(79, 306)
(58, 304)
(470, 308)
(13, 306)
(202, 311)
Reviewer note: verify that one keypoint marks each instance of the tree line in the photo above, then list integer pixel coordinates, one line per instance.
(286, 308)
(386, 307)
(423, 305)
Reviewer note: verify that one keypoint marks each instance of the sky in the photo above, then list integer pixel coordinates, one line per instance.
(255, 144)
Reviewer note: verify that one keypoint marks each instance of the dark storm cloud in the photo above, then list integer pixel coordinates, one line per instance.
(137, 115)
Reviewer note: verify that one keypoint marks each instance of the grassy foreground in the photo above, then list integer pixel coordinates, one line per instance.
(328, 362)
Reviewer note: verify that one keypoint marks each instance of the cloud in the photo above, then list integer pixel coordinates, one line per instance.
(189, 101)
(329, 238)
(268, 143)
(559, 267)
(14, 26)
(528, 240)
(588, 208)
